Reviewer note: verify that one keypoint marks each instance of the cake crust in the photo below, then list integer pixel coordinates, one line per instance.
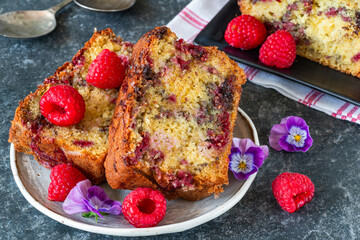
(120, 170)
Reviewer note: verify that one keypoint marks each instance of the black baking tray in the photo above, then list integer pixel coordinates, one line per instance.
(304, 71)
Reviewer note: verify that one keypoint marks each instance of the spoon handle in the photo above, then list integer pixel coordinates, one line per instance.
(59, 6)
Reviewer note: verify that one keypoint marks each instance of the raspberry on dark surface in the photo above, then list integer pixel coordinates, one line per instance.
(144, 207)
(63, 178)
(62, 105)
(245, 32)
(278, 50)
(292, 190)
(107, 71)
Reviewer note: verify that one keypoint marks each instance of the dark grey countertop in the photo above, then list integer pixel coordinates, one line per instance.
(333, 162)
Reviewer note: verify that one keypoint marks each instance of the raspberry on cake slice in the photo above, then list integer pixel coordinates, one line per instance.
(85, 143)
(174, 118)
(327, 32)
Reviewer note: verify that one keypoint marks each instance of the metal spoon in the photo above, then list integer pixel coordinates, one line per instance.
(105, 5)
(29, 24)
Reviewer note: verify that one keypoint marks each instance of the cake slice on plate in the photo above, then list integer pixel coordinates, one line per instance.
(84, 144)
(174, 118)
(327, 32)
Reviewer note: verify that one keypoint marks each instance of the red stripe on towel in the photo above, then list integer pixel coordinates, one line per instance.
(308, 95)
(352, 111)
(312, 98)
(197, 16)
(192, 19)
(249, 72)
(254, 74)
(341, 110)
(315, 102)
(188, 21)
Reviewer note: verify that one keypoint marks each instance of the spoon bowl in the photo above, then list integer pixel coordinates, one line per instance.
(106, 6)
(30, 24)
(27, 24)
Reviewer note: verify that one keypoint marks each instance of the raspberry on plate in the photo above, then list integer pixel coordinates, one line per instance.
(144, 207)
(107, 70)
(292, 190)
(63, 178)
(245, 32)
(62, 105)
(278, 50)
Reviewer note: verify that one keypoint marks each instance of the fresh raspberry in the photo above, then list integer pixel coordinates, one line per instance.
(144, 207)
(292, 190)
(63, 178)
(62, 105)
(278, 50)
(245, 32)
(107, 70)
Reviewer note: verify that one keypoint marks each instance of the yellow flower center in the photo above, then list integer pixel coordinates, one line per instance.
(297, 138)
(242, 165)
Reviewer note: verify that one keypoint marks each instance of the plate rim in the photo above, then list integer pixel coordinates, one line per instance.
(132, 232)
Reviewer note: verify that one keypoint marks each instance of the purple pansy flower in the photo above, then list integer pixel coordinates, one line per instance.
(246, 157)
(91, 201)
(291, 135)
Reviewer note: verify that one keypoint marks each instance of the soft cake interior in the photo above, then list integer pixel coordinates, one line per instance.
(182, 127)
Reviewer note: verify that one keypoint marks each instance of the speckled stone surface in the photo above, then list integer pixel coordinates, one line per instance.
(333, 162)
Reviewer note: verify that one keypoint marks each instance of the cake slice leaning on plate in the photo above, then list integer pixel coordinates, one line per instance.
(84, 144)
(327, 32)
(174, 118)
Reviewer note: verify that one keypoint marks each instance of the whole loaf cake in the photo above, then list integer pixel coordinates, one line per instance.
(84, 144)
(174, 117)
(327, 32)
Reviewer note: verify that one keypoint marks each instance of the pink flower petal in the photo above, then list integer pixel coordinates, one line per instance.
(276, 133)
(243, 144)
(74, 201)
(284, 120)
(265, 149)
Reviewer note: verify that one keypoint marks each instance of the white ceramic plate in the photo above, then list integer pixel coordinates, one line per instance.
(33, 181)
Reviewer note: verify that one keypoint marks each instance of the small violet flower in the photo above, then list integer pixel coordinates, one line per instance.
(91, 201)
(292, 135)
(246, 157)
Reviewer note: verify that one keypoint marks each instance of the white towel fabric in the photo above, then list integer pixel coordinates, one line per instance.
(197, 14)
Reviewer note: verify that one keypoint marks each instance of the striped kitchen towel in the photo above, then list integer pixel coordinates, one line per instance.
(197, 14)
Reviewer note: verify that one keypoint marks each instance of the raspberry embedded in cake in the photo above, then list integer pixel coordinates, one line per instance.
(83, 143)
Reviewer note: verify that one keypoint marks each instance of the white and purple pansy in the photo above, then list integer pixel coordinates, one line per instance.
(246, 157)
(91, 201)
(292, 135)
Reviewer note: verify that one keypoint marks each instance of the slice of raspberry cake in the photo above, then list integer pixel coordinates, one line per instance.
(174, 118)
(327, 32)
(84, 144)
